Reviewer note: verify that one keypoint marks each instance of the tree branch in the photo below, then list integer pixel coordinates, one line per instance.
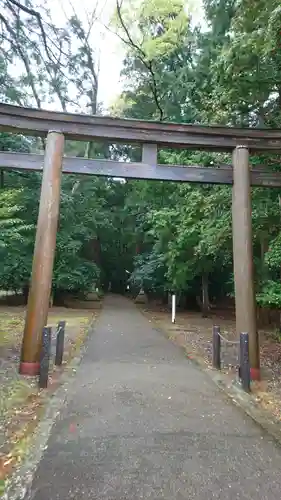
(84, 39)
(17, 47)
(36, 14)
(142, 56)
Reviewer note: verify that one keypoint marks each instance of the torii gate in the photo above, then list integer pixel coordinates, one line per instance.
(152, 136)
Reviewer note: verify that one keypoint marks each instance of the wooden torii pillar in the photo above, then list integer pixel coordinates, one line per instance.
(245, 303)
(43, 259)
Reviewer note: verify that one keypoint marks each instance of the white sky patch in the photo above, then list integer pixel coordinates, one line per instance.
(110, 49)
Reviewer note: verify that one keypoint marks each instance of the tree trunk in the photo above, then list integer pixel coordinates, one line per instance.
(205, 295)
(25, 292)
(263, 250)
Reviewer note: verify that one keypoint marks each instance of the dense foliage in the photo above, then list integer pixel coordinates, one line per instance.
(228, 73)
(166, 236)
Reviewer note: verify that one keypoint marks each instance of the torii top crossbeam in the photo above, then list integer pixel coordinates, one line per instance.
(37, 122)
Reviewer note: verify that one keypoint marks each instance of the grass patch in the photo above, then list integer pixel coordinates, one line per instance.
(11, 326)
(22, 404)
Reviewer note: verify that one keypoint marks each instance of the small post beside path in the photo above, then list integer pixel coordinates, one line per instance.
(173, 308)
(45, 357)
(244, 362)
(60, 343)
(216, 348)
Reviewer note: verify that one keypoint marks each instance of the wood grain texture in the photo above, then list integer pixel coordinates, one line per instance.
(86, 127)
(108, 168)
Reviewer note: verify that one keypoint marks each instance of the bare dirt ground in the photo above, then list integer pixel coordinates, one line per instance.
(194, 333)
(21, 402)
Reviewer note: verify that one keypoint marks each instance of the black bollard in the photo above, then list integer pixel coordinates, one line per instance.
(216, 348)
(60, 343)
(244, 362)
(45, 357)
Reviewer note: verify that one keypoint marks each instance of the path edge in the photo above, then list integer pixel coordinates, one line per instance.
(231, 389)
(20, 482)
